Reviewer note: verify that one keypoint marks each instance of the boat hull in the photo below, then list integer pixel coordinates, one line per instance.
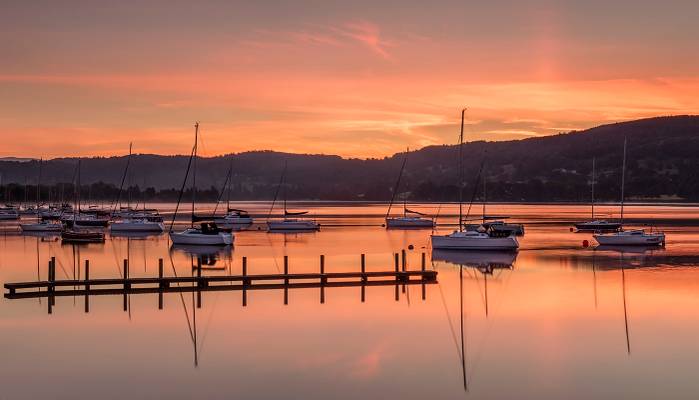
(630, 240)
(446, 242)
(300, 226)
(409, 223)
(39, 227)
(593, 227)
(201, 239)
(136, 227)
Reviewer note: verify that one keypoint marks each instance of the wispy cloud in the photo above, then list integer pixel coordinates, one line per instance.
(367, 34)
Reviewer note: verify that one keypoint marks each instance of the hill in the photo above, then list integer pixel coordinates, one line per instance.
(663, 160)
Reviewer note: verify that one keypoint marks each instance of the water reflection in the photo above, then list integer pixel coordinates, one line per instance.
(570, 315)
(207, 255)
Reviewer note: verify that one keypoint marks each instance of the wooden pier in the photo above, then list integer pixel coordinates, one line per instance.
(126, 285)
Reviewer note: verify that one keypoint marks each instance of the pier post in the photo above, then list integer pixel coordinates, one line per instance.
(87, 286)
(53, 280)
(160, 284)
(363, 262)
(286, 270)
(126, 285)
(126, 275)
(245, 281)
(403, 261)
(422, 268)
(323, 279)
(200, 282)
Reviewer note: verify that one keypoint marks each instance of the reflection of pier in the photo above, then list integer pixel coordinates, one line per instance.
(199, 283)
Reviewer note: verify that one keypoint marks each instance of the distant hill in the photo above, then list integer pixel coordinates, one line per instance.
(663, 163)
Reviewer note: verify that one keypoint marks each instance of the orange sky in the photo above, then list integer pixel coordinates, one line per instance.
(361, 80)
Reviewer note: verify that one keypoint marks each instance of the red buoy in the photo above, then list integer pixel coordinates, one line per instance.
(586, 243)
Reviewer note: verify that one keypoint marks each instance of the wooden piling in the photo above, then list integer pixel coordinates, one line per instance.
(403, 262)
(200, 282)
(126, 274)
(87, 286)
(245, 281)
(323, 279)
(161, 284)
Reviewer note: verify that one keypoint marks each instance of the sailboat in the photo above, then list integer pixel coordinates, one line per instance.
(482, 239)
(289, 223)
(634, 237)
(596, 225)
(410, 218)
(75, 235)
(128, 221)
(496, 223)
(233, 219)
(40, 225)
(207, 233)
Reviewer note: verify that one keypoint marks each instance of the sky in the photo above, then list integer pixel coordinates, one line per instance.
(358, 79)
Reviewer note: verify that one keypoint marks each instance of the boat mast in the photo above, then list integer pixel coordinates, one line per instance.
(460, 172)
(623, 176)
(123, 178)
(184, 181)
(395, 188)
(38, 188)
(77, 195)
(194, 169)
(484, 195)
(592, 212)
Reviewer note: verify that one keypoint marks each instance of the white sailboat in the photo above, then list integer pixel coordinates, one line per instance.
(634, 237)
(233, 219)
(596, 225)
(74, 234)
(483, 239)
(207, 234)
(129, 220)
(410, 218)
(40, 225)
(289, 223)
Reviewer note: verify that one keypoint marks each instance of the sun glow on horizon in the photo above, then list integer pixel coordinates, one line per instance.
(357, 83)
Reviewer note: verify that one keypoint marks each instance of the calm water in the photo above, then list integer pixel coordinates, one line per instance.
(556, 320)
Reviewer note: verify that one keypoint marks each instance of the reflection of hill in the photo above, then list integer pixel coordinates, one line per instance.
(613, 257)
(662, 163)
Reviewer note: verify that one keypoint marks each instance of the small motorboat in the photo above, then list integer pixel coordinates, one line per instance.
(9, 214)
(78, 236)
(293, 224)
(599, 225)
(42, 226)
(409, 222)
(208, 234)
(501, 226)
(136, 225)
(635, 237)
(233, 218)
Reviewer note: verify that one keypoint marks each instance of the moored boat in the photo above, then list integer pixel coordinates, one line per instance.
(481, 239)
(41, 226)
(634, 237)
(136, 225)
(293, 224)
(208, 233)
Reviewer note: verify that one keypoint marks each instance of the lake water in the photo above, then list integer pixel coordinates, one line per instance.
(556, 320)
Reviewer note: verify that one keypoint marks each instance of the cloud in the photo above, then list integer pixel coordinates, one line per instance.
(367, 34)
